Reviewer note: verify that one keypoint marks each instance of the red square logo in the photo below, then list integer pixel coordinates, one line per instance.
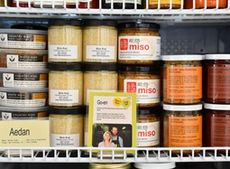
(131, 87)
(123, 44)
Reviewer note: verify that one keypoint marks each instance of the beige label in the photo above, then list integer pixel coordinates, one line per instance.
(24, 133)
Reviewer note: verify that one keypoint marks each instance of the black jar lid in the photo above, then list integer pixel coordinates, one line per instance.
(146, 111)
(67, 110)
(100, 23)
(61, 22)
(62, 66)
(28, 27)
(137, 68)
(139, 25)
(100, 66)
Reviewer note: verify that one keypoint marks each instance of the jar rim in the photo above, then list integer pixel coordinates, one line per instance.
(195, 107)
(23, 109)
(210, 106)
(67, 110)
(147, 111)
(100, 23)
(182, 57)
(217, 57)
(61, 22)
(90, 66)
(137, 68)
(65, 66)
(155, 165)
(139, 25)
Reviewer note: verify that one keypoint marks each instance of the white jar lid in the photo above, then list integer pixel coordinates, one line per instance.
(155, 165)
(217, 106)
(182, 57)
(195, 107)
(217, 57)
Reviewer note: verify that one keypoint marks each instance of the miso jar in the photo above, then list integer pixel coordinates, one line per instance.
(142, 80)
(100, 41)
(217, 125)
(182, 79)
(99, 77)
(182, 125)
(148, 127)
(66, 126)
(217, 78)
(65, 84)
(65, 41)
(139, 43)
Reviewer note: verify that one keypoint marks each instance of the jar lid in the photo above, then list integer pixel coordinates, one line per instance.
(66, 110)
(65, 66)
(23, 109)
(170, 107)
(61, 22)
(155, 165)
(217, 106)
(28, 26)
(146, 111)
(182, 57)
(217, 57)
(109, 166)
(137, 68)
(139, 25)
(100, 66)
(100, 23)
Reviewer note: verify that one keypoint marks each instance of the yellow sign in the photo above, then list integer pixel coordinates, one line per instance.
(24, 133)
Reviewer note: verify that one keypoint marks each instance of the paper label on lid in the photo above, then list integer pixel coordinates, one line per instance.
(148, 91)
(65, 140)
(139, 48)
(64, 96)
(100, 52)
(63, 51)
(148, 134)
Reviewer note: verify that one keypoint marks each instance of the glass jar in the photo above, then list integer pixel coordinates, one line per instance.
(100, 41)
(164, 4)
(65, 84)
(182, 125)
(93, 4)
(2, 3)
(201, 4)
(217, 125)
(99, 77)
(66, 126)
(217, 78)
(158, 165)
(182, 79)
(118, 4)
(138, 43)
(142, 80)
(110, 166)
(65, 41)
(148, 127)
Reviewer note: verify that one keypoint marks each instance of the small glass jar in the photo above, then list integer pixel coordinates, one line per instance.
(66, 126)
(148, 127)
(182, 125)
(217, 78)
(100, 41)
(138, 43)
(93, 4)
(65, 84)
(2, 3)
(182, 79)
(99, 77)
(142, 80)
(65, 41)
(110, 166)
(217, 125)
(201, 4)
(165, 4)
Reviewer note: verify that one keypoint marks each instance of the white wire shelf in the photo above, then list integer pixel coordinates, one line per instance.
(115, 155)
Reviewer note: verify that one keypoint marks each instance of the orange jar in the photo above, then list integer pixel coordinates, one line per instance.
(182, 81)
(201, 4)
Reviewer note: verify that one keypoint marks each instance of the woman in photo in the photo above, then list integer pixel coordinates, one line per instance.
(107, 140)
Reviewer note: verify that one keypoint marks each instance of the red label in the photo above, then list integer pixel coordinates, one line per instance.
(124, 44)
(131, 87)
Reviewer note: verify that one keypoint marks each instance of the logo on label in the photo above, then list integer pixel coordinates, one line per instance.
(2, 95)
(133, 44)
(6, 116)
(12, 58)
(3, 37)
(146, 133)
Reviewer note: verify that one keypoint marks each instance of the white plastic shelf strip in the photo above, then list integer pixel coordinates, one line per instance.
(59, 9)
(114, 155)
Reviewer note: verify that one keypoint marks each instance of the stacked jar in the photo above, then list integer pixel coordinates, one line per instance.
(100, 60)
(217, 100)
(139, 72)
(23, 73)
(182, 96)
(66, 110)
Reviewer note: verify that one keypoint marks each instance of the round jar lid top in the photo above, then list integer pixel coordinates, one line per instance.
(62, 66)
(100, 23)
(182, 57)
(110, 166)
(139, 25)
(66, 110)
(100, 66)
(146, 111)
(61, 22)
(170, 107)
(137, 68)
(217, 57)
(28, 27)
(155, 165)
(217, 106)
